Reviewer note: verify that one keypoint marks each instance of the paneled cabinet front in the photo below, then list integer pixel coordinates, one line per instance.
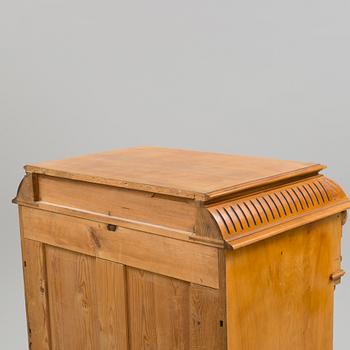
(92, 285)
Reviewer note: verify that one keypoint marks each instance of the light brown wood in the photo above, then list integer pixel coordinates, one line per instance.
(72, 296)
(162, 249)
(181, 173)
(34, 269)
(185, 260)
(135, 225)
(208, 314)
(250, 219)
(118, 202)
(279, 292)
(87, 301)
(27, 191)
(111, 294)
(158, 311)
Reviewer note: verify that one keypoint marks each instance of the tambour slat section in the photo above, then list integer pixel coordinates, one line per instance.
(243, 216)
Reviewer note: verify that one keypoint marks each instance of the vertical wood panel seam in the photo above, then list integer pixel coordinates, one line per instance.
(49, 334)
(127, 306)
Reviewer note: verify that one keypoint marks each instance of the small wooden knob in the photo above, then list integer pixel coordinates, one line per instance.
(336, 276)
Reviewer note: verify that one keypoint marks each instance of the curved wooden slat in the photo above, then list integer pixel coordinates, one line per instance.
(300, 201)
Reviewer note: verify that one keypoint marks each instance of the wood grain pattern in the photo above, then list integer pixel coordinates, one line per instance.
(36, 295)
(119, 202)
(87, 302)
(208, 314)
(132, 250)
(249, 219)
(72, 298)
(182, 173)
(27, 190)
(158, 311)
(111, 294)
(184, 260)
(279, 292)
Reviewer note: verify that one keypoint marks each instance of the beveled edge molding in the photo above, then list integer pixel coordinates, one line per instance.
(27, 190)
(249, 219)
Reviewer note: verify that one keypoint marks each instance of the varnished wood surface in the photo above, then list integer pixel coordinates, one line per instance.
(249, 219)
(72, 296)
(208, 311)
(101, 305)
(184, 260)
(111, 296)
(181, 173)
(35, 280)
(132, 250)
(179, 218)
(279, 291)
(158, 311)
(134, 205)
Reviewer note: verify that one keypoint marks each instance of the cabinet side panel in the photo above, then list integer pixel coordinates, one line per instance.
(72, 299)
(158, 311)
(36, 295)
(279, 292)
(112, 313)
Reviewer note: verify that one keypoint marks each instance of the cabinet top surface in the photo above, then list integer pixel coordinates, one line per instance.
(183, 173)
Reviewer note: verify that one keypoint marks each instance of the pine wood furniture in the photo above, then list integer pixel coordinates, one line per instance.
(153, 248)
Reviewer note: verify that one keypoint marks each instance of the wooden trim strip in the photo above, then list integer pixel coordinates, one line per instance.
(314, 169)
(283, 227)
(122, 222)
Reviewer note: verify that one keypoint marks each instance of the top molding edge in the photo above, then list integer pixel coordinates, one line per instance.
(248, 219)
(178, 192)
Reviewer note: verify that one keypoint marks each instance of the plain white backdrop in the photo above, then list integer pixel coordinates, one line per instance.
(267, 78)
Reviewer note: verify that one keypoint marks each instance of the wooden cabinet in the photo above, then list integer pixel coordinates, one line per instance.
(153, 248)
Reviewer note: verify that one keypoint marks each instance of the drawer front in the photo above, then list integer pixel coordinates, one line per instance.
(179, 259)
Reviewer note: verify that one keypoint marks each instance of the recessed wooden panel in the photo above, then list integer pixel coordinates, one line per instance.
(111, 305)
(279, 291)
(159, 315)
(192, 262)
(87, 302)
(72, 299)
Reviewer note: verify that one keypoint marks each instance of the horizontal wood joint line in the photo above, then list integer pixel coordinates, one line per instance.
(184, 260)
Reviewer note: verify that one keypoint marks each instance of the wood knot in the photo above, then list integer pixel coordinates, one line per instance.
(111, 227)
(94, 237)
